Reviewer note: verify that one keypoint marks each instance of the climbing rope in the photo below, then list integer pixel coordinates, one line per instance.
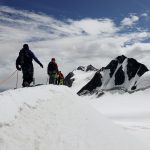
(13, 74)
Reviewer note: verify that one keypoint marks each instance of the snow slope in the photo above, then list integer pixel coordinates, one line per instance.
(144, 81)
(54, 117)
(131, 111)
(81, 78)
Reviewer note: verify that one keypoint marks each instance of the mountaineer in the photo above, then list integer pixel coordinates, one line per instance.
(24, 63)
(60, 78)
(52, 71)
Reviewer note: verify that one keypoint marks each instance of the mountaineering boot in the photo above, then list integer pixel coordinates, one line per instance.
(26, 84)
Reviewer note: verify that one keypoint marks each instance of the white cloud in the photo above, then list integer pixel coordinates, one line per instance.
(144, 15)
(72, 42)
(95, 27)
(129, 21)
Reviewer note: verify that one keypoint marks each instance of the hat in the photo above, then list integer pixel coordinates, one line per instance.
(53, 59)
(25, 46)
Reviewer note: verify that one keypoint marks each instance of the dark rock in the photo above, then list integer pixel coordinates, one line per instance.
(133, 87)
(121, 59)
(88, 68)
(142, 70)
(119, 76)
(69, 80)
(93, 84)
(112, 66)
(102, 69)
(114, 63)
(82, 68)
(100, 94)
(91, 68)
(132, 68)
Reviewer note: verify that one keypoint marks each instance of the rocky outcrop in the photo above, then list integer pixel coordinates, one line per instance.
(93, 84)
(69, 79)
(87, 68)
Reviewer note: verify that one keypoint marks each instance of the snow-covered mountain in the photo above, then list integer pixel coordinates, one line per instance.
(80, 76)
(121, 73)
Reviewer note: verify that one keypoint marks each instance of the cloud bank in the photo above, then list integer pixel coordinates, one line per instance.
(71, 42)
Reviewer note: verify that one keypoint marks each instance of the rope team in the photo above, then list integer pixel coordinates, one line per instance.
(24, 63)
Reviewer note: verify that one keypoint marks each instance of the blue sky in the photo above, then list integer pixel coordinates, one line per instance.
(82, 8)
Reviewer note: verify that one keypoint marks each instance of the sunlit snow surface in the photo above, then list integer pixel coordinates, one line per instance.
(54, 117)
(130, 111)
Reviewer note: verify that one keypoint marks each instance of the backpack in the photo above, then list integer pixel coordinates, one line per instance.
(25, 57)
(52, 66)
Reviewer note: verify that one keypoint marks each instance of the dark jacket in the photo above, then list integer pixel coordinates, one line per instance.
(25, 58)
(52, 66)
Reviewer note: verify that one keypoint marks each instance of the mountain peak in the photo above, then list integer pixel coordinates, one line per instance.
(121, 58)
(87, 68)
(120, 73)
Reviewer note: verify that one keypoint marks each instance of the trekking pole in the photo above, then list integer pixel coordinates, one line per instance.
(17, 81)
(47, 81)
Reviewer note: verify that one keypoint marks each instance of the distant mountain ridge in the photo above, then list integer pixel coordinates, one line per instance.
(121, 73)
(69, 79)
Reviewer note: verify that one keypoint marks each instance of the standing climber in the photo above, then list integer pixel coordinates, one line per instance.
(52, 71)
(24, 63)
(60, 78)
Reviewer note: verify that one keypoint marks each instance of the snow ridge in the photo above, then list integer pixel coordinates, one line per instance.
(60, 120)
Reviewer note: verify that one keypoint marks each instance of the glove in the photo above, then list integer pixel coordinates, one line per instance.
(41, 65)
(18, 68)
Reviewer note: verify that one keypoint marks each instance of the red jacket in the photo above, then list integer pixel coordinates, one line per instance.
(61, 76)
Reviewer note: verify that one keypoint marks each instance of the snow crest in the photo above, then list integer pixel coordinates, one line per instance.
(56, 118)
